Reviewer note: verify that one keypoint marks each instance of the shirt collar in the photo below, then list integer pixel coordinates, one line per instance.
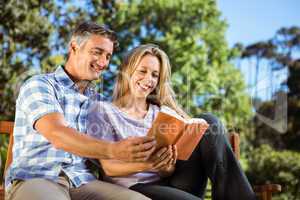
(62, 77)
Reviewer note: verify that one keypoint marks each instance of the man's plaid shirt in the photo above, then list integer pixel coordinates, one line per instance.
(33, 155)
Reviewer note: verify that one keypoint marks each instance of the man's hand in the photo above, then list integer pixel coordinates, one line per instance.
(133, 149)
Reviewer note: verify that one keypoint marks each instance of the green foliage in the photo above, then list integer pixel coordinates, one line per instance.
(24, 33)
(265, 134)
(269, 166)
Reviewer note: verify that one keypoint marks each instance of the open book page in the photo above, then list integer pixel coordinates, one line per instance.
(169, 111)
(173, 113)
(196, 121)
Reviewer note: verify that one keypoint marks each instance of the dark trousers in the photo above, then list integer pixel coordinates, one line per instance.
(213, 158)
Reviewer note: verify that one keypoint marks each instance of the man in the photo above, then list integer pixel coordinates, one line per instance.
(49, 139)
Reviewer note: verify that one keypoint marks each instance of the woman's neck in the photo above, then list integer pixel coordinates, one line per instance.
(136, 107)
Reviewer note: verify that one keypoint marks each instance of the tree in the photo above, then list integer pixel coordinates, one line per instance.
(24, 34)
(260, 50)
(278, 162)
(281, 52)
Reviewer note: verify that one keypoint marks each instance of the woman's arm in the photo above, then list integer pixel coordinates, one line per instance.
(120, 168)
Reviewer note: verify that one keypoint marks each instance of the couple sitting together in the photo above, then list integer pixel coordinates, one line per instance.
(61, 122)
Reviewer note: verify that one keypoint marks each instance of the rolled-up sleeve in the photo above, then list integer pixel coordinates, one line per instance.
(37, 98)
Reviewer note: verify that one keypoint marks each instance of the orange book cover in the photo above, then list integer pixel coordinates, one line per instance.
(169, 128)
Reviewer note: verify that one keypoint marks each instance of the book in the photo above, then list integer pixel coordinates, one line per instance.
(169, 128)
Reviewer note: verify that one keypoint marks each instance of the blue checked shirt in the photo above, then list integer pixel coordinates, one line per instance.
(33, 155)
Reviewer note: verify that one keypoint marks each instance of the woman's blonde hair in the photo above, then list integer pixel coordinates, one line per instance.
(163, 94)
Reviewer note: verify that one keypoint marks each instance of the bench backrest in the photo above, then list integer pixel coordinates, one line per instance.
(7, 127)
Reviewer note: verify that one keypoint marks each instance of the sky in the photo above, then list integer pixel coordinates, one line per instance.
(255, 20)
(250, 21)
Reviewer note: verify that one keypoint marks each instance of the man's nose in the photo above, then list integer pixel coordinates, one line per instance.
(102, 60)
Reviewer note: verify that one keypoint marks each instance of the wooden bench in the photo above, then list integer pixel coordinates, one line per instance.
(264, 192)
(6, 127)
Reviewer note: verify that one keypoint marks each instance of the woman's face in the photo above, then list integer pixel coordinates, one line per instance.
(146, 76)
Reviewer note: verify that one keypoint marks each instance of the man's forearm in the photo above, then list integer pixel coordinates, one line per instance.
(70, 140)
(55, 129)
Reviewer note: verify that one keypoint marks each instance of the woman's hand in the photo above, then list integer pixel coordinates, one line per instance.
(168, 169)
(164, 160)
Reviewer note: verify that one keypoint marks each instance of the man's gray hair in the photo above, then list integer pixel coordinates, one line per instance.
(84, 30)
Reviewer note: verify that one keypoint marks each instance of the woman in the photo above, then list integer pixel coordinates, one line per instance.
(142, 88)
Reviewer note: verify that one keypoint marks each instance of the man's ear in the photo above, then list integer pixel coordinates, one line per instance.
(73, 47)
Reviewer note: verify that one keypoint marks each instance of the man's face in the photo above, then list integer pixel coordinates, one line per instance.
(91, 57)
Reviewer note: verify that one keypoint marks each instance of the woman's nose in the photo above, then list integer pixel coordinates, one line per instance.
(149, 78)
